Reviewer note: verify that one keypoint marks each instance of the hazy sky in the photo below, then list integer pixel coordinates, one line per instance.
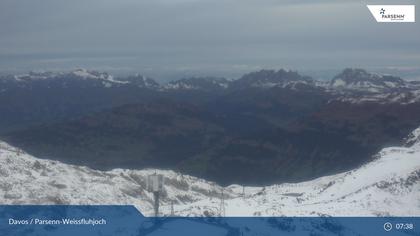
(164, 38)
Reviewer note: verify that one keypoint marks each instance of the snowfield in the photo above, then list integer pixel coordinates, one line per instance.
(387, 186)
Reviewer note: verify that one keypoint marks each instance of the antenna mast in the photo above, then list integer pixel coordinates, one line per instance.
(172, 208)
(155, 185)
(222, 212)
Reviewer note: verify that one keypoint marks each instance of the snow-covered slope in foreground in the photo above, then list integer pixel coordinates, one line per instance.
(389, 185)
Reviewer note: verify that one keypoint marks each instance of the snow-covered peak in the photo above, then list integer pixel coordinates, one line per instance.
(78, 73)
(413, 139)
(359, 86)
(141, 81)
(387, 186)
(195, 83)
(271, 78)
(89, 74)
(25, 179)
(361, 80)
(35, 75)
(83, 73)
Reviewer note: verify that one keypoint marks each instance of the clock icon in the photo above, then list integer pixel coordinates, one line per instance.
(387, 226)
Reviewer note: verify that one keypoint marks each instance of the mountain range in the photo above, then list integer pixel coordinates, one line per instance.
(266, 127)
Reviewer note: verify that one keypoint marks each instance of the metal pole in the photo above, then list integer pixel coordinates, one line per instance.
(222, 205)
(172, 209)
(156, 206)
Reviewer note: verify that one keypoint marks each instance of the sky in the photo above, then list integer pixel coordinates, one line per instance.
(177, 38)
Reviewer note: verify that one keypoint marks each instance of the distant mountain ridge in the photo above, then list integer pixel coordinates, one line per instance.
(88, 77)
(358, 79)
(348, 80)
(272, 78)
(207, 127)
